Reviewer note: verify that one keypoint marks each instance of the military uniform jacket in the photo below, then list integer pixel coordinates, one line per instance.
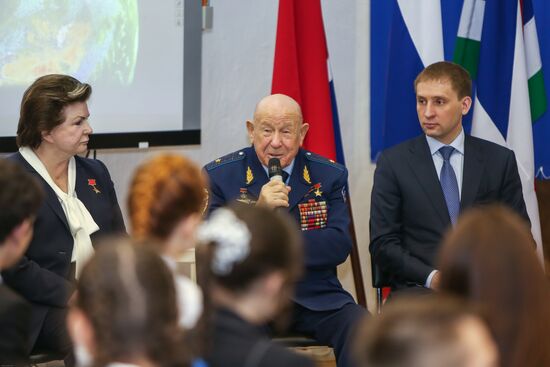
(42, 275)
(316, 202)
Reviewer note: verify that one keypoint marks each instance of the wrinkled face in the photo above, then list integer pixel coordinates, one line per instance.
(72, 135)
(277, 133)
(440, 110)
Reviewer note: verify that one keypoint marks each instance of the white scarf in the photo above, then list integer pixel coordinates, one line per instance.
(81, 223)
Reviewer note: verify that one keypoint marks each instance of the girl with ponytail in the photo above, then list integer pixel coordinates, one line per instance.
(249, 258)
(126, 310)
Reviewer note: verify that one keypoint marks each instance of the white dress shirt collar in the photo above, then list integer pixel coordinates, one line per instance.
(458, 143)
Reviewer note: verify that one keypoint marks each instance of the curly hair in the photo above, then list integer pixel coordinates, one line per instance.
(164, 190)
(128, 294)
(43, 103)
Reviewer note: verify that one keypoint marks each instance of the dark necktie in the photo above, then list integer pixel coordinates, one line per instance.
(285, 176)
(449, 183)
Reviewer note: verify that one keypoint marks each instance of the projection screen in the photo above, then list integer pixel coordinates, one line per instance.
(142, 58)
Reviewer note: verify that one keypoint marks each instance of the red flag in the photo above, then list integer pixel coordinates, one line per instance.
(301, 70)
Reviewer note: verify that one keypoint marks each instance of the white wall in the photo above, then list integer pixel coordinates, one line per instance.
(236, 73)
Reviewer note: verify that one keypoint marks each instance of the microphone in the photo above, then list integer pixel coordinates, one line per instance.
(275, 170)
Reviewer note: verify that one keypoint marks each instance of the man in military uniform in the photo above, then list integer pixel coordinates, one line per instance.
(313, 191)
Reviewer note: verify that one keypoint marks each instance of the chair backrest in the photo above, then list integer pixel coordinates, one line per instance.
(381, 283)
(379, 279)
(355, 261)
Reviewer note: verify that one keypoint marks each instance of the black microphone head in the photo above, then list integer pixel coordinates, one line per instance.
(274, 167)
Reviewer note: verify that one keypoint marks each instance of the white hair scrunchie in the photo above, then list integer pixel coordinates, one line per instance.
(232, 239)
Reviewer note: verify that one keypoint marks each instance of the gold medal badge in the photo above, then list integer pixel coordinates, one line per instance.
(316, 190)
(245, 197)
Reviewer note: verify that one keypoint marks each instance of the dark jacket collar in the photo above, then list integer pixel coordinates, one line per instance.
(422, 166)
(471, 173)
(421, 162)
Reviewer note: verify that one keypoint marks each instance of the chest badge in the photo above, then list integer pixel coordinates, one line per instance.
(318, 192)
(249, 176)
(313, 215)
(315, 190)
(306, 175)
(245, 197)
(92, 183)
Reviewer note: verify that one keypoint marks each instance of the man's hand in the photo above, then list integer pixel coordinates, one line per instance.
(274, 194)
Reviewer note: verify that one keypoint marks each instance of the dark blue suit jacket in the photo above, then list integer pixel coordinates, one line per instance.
(41, 276)
(325, 248)
(408, 211)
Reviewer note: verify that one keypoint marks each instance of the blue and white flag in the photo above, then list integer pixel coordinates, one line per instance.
(497, 42)
(415, 42)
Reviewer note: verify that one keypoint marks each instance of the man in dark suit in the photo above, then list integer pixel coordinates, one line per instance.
(313, 192)
(421, 185)
(20, 198)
